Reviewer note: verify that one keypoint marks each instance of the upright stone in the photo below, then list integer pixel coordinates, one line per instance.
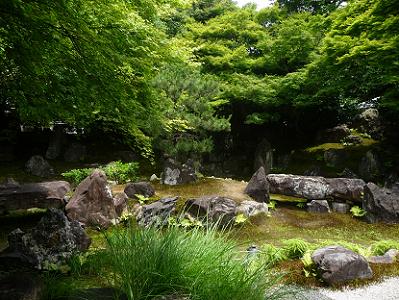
(264, 156)
(258, 186)
(38, 166)
(92, 203)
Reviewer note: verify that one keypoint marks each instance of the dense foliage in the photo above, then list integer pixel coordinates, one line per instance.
(167, 74)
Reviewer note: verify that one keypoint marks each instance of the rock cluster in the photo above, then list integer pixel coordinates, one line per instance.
(175, 173)
(52, 241)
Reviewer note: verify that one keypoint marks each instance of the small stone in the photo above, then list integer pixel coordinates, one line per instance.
(388, 258)
(318, 206)
(139, 188)
(341, 208)
(38, 166)
(251, 208)
(154, 177)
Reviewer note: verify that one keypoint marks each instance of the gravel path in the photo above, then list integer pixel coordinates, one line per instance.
(385, 290)
(388, 289)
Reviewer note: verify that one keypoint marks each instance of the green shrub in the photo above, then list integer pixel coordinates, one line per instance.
(117, 171)
(200, 263)
(381, 247)
(272, 255)
(295, 248)
(121, 172)
(77, 175)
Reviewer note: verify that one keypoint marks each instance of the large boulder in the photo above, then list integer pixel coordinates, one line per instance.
(139, 188)
(369, 121)
(92, 203)
(337, 264)
(346, 188)
(54, 240)
(316, 187)
(258, 186)
(156, 213)
(381, 204)
(40, 195)
(264, 156)
(175, 173)
(38, 166)
(309, 187)
(213, 209)
(251, 208)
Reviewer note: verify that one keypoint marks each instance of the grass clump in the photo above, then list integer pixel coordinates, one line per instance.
(295, 248)
(200, 264)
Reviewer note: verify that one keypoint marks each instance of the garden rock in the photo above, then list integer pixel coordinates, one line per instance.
(348, 173)
(49, 194)
(139, 188)
(388, 258)
(342, 208)
(318, 206)
(174, 173)
(315, 187)
(381, 204)
(154, 177)
(369, 121)
(92, 203)
(38, 166)
(120, 201)
(212, 208)
(337, 264)
(156, 213)
(334, 135)
(309, 187)
(346, 188)
(258, 186)
(353, 140)
(251, 208)
(75, 153)
(264, 156)
(54, 240)
(369, 166)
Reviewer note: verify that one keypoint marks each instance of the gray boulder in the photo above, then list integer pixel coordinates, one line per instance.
(369, 121)
(156, 213)
(174, 173)
(309, 187)
(381, 204)
(213, 209)
(75, 152)
(139, 188)
(346, 188)
(49, 194)
(258, 186)
(388, 258)
(337, 264)
(315, 187)
(264, 156)
(318, 206)
(251, 208)
(54, 240)
(92, 203)
(342, 208)
(38, 166)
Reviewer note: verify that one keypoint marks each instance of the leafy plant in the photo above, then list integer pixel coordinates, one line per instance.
(118, 171)
(121, 172)
(77, 175)
(142, 199)
(301, 205)
(240, 219)
(272, 255)
(272, 205)
(381, 247)
(357, 211)
(295, 248)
